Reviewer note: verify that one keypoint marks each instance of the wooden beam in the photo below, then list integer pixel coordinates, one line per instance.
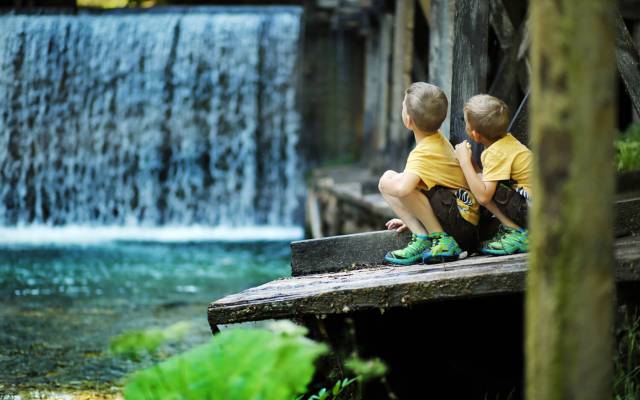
(441, 50)
(384, 287)
(628, 61)
(376, 99)
(401, 75)
(470, 61)
(501, 24)
(513, 70)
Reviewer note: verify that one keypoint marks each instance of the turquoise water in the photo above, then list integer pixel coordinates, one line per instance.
(62, 303)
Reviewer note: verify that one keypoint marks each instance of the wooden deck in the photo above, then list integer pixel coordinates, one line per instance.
(381, 287)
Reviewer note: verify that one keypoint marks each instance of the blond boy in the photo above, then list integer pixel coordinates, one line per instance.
(430, 196)
(504, 186)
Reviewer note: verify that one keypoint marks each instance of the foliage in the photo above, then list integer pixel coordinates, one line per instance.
(334, 393)
(367, 369)
(134, 344)
(628, 149)
(627, 361)
(237, 364)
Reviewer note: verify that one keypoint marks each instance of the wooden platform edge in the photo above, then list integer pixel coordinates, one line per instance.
(386, 287)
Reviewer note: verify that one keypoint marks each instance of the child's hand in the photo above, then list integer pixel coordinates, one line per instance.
(463, 151)
(397, 224)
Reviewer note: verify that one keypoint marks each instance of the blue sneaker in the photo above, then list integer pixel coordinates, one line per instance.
(443, 248)
(507, 241)
(411, 254)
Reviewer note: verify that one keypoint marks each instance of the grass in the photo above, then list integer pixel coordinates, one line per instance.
(627, 359)
(628, 149)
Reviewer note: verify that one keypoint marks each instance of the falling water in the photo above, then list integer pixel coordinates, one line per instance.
(149, 120)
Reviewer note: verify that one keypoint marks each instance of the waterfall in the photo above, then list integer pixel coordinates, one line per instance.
(150, 119)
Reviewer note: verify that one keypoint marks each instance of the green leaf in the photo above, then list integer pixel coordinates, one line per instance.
(337, 388)
(237, 364)
(367, 369)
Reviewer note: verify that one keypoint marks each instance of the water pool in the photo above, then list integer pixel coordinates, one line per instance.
(62, 303)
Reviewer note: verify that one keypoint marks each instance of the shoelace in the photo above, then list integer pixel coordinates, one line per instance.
(413, 244)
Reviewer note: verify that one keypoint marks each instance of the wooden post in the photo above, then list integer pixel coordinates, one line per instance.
(570, 284)
(376, 107)
(636, 39)
(628, 61)
(401, 78)
(441, 49)
(470, 60)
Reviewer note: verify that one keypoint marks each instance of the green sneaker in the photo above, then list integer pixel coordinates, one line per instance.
(443, 248)
(507, 241)
(412, 253)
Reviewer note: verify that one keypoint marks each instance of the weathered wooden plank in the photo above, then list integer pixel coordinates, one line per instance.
(441, 49)
(401, 75)
(628, 60)
(344, 252)
(383, 287)
(512, 70)
(627, 217)
(501, 24)
(385, 33)
(470, 60)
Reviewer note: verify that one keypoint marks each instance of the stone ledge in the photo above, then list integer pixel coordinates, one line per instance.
(338, 253)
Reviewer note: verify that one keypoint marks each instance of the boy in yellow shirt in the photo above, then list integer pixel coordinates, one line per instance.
(430, 196)
(504, 187)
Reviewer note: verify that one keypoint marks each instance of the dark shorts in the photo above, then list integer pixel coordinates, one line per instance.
(444, 205)
(512, 203)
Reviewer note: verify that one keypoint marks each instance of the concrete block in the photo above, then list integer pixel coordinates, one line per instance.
(345, 252)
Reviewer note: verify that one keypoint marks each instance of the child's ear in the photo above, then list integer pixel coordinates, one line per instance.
(406, 119)
(475, 136)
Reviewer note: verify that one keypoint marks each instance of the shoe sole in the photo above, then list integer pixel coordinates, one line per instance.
(440, 259)
(501, 252)
(402, 261)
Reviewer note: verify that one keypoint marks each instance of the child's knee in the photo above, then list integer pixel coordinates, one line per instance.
(382, 182)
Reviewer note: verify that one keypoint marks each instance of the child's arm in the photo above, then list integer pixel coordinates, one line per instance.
(482, 190)
(398, 184)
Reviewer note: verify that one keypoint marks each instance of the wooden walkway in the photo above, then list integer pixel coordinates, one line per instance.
(381, 287)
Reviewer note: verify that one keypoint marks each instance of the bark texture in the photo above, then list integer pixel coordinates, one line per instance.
(570, 287)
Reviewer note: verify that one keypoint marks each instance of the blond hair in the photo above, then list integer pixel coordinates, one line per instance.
(487, 115)
(427, 106)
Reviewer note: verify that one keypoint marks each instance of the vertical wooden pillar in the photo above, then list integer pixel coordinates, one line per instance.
(636, 39)
(570, 284)
(441, 49)
(628, 61)
(401, 76)
(470, 60)
(377, 67)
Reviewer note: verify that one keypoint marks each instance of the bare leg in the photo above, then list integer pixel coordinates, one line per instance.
(491, 206)
(417, 210)
(413, 223)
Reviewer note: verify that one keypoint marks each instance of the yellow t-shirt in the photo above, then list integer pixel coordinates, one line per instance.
(434, 161)
(506, 159)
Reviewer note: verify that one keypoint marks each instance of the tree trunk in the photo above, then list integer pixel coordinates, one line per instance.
(570, 285)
